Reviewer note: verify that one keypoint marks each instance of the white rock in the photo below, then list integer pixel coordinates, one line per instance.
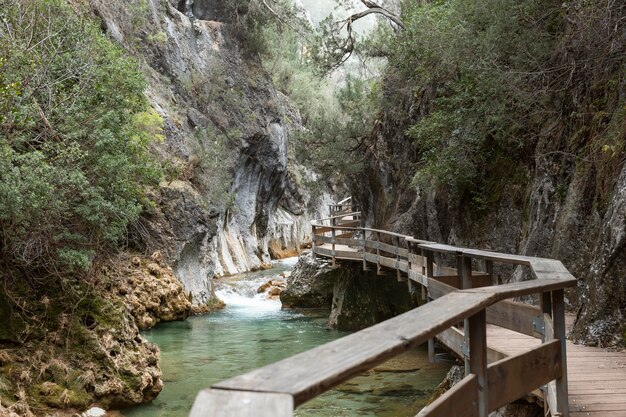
(94, 412)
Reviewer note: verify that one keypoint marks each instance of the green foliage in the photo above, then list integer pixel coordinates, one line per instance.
(74, 134)
(478, 56)
(335, 133)
(490, 78)
(335, 113)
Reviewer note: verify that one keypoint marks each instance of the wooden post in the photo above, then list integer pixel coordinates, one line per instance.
(464, 269)
(424, 294)
(409, 265)
(334, 223)
(363, 249)
(313, 238)
(430, 272)
(558, 317)
(378, 253)
(398, 278)
(489, 270)
(478, 358)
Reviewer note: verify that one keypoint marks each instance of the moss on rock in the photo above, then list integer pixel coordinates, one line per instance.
(77, 344)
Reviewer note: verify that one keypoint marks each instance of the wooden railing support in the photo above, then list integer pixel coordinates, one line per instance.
(378, 269)
(430, 272)
(333, 222)
(489, 271)
(464, 269)
(363, 252)
(558, 317)
(478, 358)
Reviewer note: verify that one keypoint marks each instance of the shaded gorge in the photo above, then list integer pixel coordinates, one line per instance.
(253, 331)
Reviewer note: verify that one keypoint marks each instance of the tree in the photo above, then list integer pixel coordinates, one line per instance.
(75, 128)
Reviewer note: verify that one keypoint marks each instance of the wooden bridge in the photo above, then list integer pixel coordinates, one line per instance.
(510, 349)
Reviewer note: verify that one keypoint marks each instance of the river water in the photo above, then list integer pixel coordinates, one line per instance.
(253, 331)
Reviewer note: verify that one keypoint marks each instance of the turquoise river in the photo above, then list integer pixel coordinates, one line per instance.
(253, 331)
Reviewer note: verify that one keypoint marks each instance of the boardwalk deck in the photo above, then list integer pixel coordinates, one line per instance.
(511, 350)
(597, 377)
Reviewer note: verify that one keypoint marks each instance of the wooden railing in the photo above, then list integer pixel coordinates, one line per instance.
(455, 294)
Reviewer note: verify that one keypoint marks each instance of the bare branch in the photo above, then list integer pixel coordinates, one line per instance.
(373, 8)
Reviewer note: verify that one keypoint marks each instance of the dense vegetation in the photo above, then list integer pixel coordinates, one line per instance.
(74, 131)
(482, 82)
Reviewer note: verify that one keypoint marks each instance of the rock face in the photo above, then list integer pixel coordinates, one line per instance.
(357, 299)
(149, 288)
(573, 211)
(362, 299)
(92, 354)
(310, 284)
(234, 199)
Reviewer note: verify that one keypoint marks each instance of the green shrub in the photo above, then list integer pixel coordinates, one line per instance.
(74, 134)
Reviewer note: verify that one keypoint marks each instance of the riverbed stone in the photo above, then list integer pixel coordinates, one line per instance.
(362, 298)
(357, 298)
(310, 284)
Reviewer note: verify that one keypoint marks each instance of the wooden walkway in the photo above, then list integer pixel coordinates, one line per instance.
(510, 349)
(596, 376)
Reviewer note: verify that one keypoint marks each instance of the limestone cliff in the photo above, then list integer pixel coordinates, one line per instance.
(233, 199)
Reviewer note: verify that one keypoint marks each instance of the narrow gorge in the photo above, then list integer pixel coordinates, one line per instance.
(162, 163)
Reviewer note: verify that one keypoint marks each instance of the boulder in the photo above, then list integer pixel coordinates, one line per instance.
(310, 284)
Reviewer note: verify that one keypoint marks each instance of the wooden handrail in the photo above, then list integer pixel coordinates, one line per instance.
(276, 389)
(318, 222)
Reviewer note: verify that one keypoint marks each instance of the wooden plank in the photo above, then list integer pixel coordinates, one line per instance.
(416, 259)
(418, 277)
(514, 377)
(452, 338)
(222, 403)
(438, 289)
(310, 373)
(345, 254)
(459, 401)
(338, 253)
(451, 280)
(388, 262)
(385, 247)
(513, 316)
(319, 222)
(386, 232)
(348, 223)
(474, 253)
(339, 240)
(370, 257)
(518, 289)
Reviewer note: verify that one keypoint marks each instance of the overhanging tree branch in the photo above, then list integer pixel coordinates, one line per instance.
(373, 8)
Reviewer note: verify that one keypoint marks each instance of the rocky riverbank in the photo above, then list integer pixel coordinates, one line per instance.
(356, 298)
(82, 348)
